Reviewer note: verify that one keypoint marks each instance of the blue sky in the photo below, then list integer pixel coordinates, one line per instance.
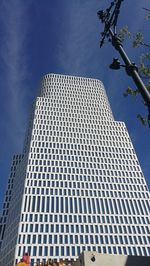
(62, 36)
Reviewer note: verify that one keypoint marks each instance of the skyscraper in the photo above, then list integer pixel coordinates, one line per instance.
(78, 185)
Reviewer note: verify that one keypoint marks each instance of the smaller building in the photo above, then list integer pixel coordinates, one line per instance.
(98, 259)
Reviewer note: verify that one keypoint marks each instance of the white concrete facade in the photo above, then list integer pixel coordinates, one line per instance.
(79, 186)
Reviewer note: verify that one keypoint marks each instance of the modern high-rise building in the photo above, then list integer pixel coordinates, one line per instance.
(78, 185)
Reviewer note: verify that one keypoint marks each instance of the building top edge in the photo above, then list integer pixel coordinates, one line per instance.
(48, 75)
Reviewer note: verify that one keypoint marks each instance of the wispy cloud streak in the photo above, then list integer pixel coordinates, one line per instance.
(14, 24)
(74, 52)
